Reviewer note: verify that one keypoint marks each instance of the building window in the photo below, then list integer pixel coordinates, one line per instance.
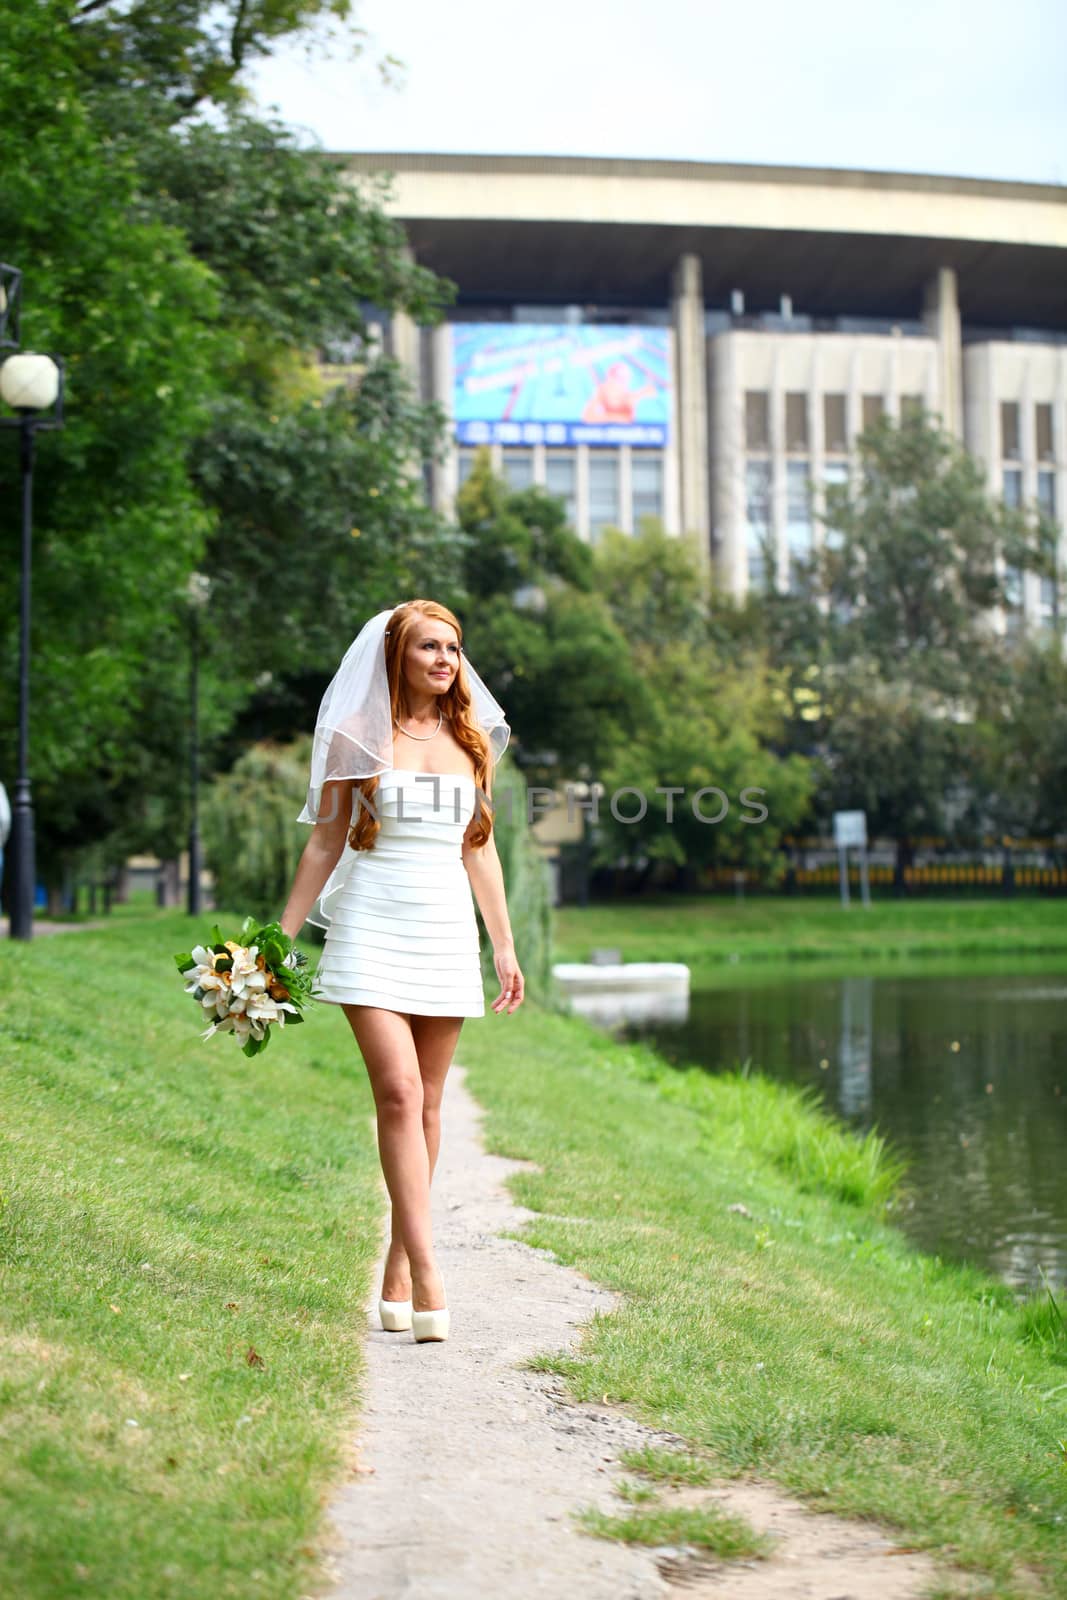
(911, 405)
(758, 520)
(518, 468)
(798, 524)
(1012, 487)
(1009, 430)
(560, 478)
(1013, 587)
(873, 410)
(834, 472)
(1046, 494)
(757, 419)
(1043, 432)
(646, 483)
(835, 425)
(1046, 502)
(796, 423)
(603, 491)
(466, 465)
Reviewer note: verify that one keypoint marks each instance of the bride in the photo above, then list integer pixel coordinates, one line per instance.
(400, 797)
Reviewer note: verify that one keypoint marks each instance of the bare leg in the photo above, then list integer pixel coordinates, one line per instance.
(435, 1043)
(387, 1043)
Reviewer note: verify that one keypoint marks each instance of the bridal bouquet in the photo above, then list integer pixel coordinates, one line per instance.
(247, 984)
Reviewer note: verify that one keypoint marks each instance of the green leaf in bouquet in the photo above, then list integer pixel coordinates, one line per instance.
(184, 961)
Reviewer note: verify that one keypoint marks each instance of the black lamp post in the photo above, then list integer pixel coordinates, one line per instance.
(32, 385)
(197, 592)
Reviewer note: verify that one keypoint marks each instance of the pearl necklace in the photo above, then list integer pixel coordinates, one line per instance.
(423, 736)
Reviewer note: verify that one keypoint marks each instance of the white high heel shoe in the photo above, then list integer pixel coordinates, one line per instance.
(430, 1324)
(395, 1315)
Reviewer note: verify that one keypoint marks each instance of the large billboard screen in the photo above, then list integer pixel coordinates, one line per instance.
(547, 383)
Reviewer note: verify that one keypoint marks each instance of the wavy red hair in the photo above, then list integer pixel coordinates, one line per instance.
(456, 705)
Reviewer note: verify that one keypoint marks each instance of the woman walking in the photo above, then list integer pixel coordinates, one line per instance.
(405, 743)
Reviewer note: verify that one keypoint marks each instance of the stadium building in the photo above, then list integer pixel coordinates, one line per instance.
(703, 342)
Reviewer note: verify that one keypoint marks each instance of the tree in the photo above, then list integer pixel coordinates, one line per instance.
(887, 637)
(191, 270)
(118, 523)
(909, 563)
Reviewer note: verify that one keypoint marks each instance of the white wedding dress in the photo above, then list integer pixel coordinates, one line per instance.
(402, 932)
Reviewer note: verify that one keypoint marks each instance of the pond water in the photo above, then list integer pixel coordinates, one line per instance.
(964, 1070)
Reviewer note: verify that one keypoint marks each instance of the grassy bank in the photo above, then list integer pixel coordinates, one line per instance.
(186, 1239)
(706, 931)
(771, 1318)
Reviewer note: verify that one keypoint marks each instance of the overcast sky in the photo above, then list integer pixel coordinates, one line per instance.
(964, 87)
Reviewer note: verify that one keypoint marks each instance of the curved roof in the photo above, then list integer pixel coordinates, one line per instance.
(568, 228)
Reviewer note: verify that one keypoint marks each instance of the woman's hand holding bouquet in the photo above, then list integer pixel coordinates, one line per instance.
(247, 984)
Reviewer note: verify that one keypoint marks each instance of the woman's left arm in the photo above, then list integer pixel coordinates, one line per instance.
(487, 882)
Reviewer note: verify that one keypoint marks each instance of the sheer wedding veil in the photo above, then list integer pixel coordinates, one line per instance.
(354, 730)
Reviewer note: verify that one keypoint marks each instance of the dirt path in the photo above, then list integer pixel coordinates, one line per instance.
(41, 926)
(466, 1469)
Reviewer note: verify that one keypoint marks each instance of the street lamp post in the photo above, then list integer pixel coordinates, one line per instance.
(32, 385)
(197, 592)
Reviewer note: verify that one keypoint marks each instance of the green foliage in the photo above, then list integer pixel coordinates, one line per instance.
(789, 1126)
(298, 251)
(189, 270)
(189, 50)
(910, 562)
(516, 537)
(709, 715)
(117, 521)
(547, 644)
(252, 841)
(1017, 745)
(1042, 1321)
(917, 712)
(527, 884)
(653, 585)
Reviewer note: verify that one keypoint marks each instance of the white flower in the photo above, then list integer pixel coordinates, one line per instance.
(261, 1008)
(244, 969)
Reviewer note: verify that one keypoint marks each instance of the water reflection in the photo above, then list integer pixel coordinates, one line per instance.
(965, 1071)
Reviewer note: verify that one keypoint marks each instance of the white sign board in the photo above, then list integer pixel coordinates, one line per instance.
(850, 827)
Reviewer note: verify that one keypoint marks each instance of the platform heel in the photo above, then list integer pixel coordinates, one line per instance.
(395, 1315)
(428, 1325)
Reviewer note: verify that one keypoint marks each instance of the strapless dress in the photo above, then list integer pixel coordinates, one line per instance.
(402, 928)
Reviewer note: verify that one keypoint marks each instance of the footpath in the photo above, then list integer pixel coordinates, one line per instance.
(467, 1470)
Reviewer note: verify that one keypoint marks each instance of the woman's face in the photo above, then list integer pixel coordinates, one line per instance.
(431, 660)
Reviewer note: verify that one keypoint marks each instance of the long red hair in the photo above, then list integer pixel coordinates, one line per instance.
(456, 706)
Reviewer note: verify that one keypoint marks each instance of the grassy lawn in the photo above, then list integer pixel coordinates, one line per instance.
(706, 931)
(800, 1338)
(187, 1236)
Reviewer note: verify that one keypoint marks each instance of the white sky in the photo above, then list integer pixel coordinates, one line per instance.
(964, 87)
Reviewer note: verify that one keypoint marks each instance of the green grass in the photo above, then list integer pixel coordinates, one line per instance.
(705, 1527)
(801, 1338)
(187, 1236)
(186, 1239)
(708, 932)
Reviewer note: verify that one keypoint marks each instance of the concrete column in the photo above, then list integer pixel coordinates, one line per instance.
(731, 564)
(446, 472)
(687, 309)
(941, 315)
(671, 487)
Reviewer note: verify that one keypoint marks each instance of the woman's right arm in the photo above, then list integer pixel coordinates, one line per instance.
(321, 854)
